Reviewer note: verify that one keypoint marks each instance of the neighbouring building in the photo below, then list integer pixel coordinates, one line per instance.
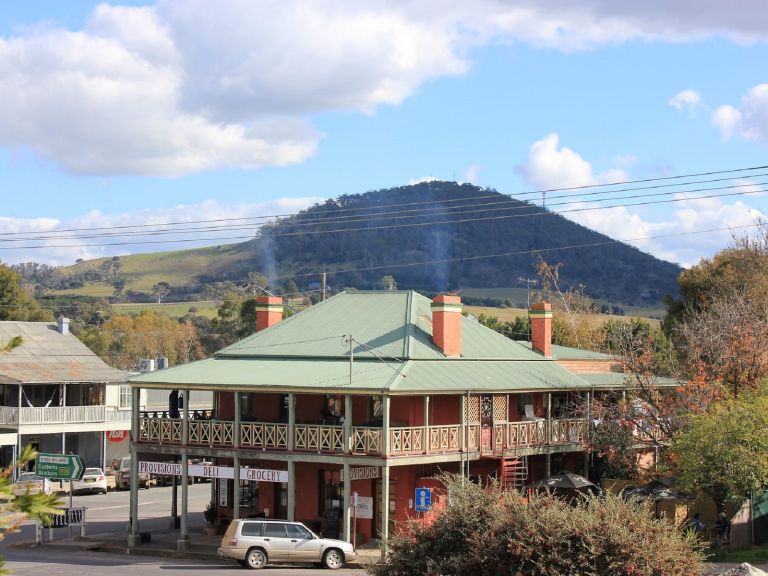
(367, 396)
(58, 396)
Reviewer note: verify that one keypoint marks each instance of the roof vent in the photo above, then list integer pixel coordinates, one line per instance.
(63, 325)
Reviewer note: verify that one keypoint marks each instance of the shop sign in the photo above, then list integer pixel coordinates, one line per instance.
(210, 471)
(364, 473)
(364, 507)
(117, 435)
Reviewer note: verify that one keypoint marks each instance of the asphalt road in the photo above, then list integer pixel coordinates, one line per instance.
(108, 518)
(73, 562)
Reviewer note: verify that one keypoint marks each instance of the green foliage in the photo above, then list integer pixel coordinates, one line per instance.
(613, 449)
(14, 342)
(725, 452)
(15, 303)
(19, 508)
(486, 532)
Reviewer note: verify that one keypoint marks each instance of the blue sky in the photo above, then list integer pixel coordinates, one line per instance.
(137, 113)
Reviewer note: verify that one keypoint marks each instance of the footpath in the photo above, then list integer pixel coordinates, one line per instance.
(162, 544)
(204, 547)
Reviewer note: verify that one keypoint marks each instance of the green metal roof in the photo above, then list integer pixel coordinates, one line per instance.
(419, 376)
(307, 351)
(619, 380)
(396, 324)
(568, 353)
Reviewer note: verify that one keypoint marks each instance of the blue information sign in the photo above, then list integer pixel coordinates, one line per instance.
(423, 499)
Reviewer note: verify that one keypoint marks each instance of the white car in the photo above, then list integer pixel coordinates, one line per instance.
(256, 543)
(93, 481)
(32, 483)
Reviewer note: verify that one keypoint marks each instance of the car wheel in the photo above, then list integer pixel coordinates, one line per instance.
(256, 559)
(333, 559)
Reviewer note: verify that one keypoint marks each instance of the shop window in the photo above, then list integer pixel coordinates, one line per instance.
(331, 490)
(249, 494)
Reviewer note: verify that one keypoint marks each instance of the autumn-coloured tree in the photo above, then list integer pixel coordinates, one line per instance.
(123, 340)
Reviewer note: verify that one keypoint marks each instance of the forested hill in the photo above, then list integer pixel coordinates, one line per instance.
(452, 227)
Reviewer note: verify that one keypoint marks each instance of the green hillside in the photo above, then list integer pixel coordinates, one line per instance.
(431, 237)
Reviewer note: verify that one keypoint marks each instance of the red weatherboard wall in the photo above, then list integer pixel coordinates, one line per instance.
(444, 410)
(265, 407)
(225, 407)
(308, 408)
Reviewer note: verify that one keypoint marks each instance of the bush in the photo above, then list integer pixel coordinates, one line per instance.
(487, 532)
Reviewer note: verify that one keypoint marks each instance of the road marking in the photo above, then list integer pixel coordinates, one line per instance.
(121, 506)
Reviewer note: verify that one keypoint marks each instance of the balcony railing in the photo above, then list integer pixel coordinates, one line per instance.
(12, 416)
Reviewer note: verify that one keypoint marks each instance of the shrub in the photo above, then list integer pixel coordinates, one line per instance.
(488, 532)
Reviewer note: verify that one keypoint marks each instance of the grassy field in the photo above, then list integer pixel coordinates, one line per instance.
(509, 314)
(178, 268)
(172, 309)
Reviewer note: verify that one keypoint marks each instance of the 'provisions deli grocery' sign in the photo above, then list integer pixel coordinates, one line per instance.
(210, 471)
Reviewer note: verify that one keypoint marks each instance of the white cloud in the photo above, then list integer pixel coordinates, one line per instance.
(186, 85)
(688, 100)
(472, 174)
(423, 179)
(548, 167)
(749, 120)
(63, 248)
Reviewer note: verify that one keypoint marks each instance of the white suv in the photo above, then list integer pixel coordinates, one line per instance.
(255, 543)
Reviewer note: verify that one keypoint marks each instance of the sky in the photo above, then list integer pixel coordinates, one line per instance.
(140, 113)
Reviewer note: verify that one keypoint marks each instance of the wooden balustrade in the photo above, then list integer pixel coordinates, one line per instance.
(403, 441)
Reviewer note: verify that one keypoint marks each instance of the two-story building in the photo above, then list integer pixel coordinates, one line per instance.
(58, 396)
(369, 394)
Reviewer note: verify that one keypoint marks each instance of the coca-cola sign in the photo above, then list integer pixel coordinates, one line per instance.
(117, 435)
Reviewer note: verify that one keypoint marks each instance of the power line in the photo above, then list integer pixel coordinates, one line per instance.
(419, 224)
(336, 210)
(474, 257)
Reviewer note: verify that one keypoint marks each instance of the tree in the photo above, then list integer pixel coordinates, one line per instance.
(725, 452)
(742, 266)
(160, 291)
(17, 509)
(123, 340)
(489, 532)
(388, 283)
(727, 341)
(15, 303)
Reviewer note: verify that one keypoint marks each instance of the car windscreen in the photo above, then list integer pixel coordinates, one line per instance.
(92, 472)
(251, 528)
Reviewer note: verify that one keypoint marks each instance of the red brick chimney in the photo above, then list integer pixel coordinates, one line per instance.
(541, 328)
(269, 311)
(446, 324)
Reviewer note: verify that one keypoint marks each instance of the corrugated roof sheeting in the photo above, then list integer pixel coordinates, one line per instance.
(274, 373)
(47, 356)
(619, 380)
(395, 324)
(413, 377)
(490, 375)
(568, 353)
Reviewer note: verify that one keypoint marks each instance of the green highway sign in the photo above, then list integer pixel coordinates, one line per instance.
(59, 466)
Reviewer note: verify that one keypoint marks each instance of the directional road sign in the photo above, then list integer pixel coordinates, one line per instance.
(423, 499)
(59, 466)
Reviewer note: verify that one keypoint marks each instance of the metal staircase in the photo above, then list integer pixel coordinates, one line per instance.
(513, 472)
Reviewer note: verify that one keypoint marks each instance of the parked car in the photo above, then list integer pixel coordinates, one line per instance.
(123, 476)
(256, 543)
(93, 480)
(29, 481)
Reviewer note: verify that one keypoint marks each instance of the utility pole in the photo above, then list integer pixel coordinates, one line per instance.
(528, 283)
(322, 286)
